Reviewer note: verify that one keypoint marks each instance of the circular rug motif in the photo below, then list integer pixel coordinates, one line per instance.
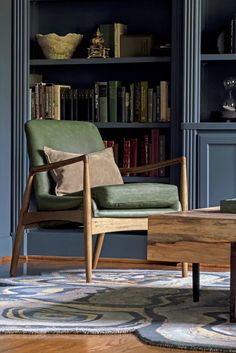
(157, 306)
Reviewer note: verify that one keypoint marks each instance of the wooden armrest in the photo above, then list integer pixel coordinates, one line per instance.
(49, 166)
(150, 167)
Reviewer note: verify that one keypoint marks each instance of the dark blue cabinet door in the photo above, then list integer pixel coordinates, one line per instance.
(5, 126)
(216, 167)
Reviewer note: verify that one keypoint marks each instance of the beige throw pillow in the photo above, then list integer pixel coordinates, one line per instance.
(69, 179)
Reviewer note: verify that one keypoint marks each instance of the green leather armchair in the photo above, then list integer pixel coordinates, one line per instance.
(85, 208)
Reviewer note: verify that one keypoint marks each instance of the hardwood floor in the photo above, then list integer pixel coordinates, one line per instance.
(122, 343)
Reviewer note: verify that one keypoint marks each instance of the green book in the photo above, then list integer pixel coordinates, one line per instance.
(112, 86)
(144, 102)
(102, 102)
(108, 33)
(131, 103)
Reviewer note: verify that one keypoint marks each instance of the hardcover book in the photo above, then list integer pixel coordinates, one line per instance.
(113, 86)
(133, 153)
(164, 100)
(162, 148)
(135, 45)
(102, 102)
(144, 102)
(121, 109)
(155, 149)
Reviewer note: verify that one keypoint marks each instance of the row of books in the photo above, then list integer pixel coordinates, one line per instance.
(107, 102)
(133, 152)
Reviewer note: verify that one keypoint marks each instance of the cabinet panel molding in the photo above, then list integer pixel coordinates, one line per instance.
(216, 167)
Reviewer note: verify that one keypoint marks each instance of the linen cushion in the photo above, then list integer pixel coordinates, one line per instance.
(69, 179)
(136, 195)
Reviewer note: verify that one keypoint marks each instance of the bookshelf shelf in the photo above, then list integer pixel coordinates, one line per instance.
(218, 57)
(132, 125)
(85, 61)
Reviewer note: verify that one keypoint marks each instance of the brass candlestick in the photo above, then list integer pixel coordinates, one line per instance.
(97, 49)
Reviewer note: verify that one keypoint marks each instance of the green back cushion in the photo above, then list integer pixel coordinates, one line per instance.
(140, 195)
(69, 136)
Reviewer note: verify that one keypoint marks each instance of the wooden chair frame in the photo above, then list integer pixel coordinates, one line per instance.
(92, 225)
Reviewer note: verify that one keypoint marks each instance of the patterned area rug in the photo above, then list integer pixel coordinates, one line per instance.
(157, 306)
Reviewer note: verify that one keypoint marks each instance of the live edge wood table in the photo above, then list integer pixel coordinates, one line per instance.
(196, 236)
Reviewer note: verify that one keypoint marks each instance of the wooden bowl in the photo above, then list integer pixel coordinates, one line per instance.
(59, 47)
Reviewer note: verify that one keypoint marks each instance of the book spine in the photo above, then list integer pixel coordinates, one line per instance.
(102, 98)
(154, 107)
(137, 99)
(62, 104)
(110, 143)
(126, 155)
(162, 148)
(164, 100)
(67, 104)
(86, 101)
(96, 100)
(133, 153)
(144, 101)
(50, 102)
(116, 152)
(113, 85)
(127, 110)
(119, 29)
(121, 104)
(149, 104)
(42, 97)
(91, 105)
(144, 153)
(56, 102)
(131, 103)
(32, 103)
(155, 149)
(108, 35)
(47, 113)
(158, 105)
(37, 112)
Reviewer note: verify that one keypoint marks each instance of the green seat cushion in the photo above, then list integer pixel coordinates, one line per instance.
(136, 196)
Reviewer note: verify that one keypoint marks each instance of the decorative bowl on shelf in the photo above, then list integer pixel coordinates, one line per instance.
(59, 47)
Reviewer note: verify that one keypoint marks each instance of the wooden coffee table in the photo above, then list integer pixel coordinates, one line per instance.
(196, 236)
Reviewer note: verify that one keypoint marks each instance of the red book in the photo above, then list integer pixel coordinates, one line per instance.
(133, 153)
(110, 143)
(155, 150)
(162, 141)
(126, 155)
(144, 153)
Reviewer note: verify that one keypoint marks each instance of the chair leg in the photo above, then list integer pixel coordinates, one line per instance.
(98, 249)
(88, 254)
(16, 249)
(184, 269)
